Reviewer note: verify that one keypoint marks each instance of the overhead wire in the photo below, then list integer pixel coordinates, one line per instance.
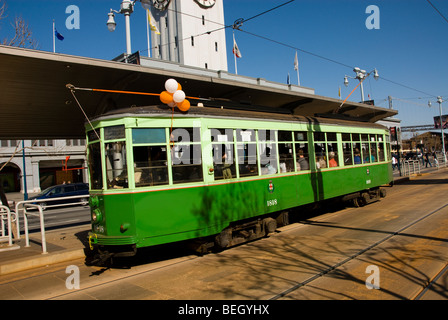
(438, 11)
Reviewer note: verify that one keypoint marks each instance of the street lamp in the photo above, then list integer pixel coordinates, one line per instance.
(127, 7)
(439, 101)
(361, 75)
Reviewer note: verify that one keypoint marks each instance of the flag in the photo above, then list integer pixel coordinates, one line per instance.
(287, 80)
(236, 51)
(152, 26)
(339, 93)
(58, 35)
(296, 63)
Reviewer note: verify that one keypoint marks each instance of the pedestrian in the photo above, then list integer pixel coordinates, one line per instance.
(394, 162)
(427, 160)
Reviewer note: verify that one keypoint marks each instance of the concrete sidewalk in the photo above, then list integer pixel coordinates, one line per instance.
(62, 245)
(71, 243)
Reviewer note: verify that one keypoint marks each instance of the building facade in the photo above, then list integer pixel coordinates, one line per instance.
(192, 33)
(41, 164)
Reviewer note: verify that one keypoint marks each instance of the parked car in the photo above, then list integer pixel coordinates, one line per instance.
(61, 191)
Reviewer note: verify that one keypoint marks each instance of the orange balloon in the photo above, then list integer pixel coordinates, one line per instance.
(184, 105)
(166, 97)
(179, 87)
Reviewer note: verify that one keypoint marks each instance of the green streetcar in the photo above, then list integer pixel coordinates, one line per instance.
(224, 176)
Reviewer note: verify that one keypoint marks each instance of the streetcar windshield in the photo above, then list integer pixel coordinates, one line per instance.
(95, 171)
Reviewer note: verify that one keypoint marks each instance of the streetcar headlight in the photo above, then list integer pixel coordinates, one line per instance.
(94, 201)
(97, 216)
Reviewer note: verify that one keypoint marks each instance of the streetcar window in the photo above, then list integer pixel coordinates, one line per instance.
(284, 136)
(286, 157)
(247, 159)
(374, 152)
(185, 135)
(93, 135)
(268, 157)
(222, 135)
(187, 163)
(366, 153)
(224, 161)
(148, 135)
(331, 136)
(381, 155)
(302, 156)
(332, 149)
(347, 151)
(150, 166)
(95, 171)
(346, 137)
(116, 169)
(114, 133)
(319, 136)
(357, 153)
(301, 136)
(245, 135)
(223, 154)
(321, 155)
(266, 135)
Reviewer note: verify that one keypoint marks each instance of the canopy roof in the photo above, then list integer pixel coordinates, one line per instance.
(35, 103)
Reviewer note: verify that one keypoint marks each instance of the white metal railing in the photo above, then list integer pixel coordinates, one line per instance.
(411, 167)
(24, 206)
(440, 160)
(42, 225)
(5, 214)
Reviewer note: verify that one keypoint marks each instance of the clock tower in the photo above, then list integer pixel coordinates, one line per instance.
(187, 33)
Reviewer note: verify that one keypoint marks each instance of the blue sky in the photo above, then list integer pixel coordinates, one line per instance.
(410, 48)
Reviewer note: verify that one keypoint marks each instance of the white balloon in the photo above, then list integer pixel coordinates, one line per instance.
(171, 85)
(179, 96)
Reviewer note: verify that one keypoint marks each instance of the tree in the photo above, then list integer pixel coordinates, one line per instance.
(23, 36)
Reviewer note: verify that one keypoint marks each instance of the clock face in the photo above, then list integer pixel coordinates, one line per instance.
(161, 4)
(206, 3)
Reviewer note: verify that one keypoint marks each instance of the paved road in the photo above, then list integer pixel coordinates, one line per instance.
(398, 244)
(60, 217)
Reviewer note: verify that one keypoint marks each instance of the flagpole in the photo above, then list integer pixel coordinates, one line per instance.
(298, 77)
(147, 31)
(54, 40)
(234, 55)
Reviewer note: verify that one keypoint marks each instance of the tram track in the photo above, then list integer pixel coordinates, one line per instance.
(430, 283)
(360, 252)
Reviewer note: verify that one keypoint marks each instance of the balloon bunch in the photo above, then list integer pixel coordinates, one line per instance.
(174, 96)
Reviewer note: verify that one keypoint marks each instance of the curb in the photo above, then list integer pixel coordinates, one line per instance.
(41, 261)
